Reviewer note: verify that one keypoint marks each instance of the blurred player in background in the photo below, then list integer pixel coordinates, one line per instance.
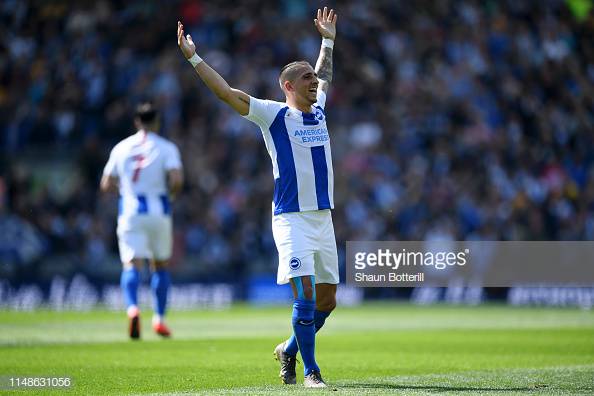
(146, 169)
(298, 142)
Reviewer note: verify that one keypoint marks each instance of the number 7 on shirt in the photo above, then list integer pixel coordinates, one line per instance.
(138, 165)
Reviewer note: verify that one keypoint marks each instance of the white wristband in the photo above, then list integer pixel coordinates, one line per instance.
(194, 60)
(329, 43)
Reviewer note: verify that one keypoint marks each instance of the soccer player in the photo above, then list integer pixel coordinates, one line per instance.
(298, 142)
(147, 170)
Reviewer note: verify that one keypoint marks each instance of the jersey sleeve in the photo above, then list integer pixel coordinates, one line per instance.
(110, 167)
(321, 99)
(263, 112)
(173, 159)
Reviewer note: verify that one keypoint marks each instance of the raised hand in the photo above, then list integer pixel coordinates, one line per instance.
(186, 44)
(326, 23)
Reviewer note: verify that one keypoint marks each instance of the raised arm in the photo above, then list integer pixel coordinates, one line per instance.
(326, 24)
(239, 100)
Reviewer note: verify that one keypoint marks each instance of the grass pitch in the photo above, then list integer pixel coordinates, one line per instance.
(373, 349)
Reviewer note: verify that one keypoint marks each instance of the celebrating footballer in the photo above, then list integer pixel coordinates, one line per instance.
(298, 142)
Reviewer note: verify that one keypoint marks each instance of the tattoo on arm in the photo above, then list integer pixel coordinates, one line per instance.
(324, 64)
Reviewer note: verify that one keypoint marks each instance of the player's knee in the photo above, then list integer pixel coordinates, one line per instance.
(303, 288)
(308, 293)
(134, 263)
(326, 304)
(160, 264)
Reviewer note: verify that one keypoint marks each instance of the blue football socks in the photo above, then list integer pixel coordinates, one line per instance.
(160, 281)
(305, 332)
(320, 319)
(129, 283)
(291, 346)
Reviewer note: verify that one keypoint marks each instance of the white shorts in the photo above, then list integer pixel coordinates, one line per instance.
(306, 246)
(145, 237)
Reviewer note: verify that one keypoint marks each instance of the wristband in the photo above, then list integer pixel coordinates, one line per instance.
(194, 60)
(329, 43)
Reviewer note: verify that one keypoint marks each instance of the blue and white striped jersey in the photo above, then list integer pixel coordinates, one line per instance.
(299, 147)
(141, 162)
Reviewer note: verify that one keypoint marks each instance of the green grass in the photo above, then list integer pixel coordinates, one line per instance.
(374, 349)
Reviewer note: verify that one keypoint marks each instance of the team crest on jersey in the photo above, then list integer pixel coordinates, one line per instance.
(319, 114)
(294, 263)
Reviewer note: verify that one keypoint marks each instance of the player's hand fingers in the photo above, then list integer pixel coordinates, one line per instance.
(330, 15)
(334, 19)
(319, 14)
(324, 14)
(180, 32)
(189, 38)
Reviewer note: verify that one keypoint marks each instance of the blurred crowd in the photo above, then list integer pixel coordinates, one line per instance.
(449, 119)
